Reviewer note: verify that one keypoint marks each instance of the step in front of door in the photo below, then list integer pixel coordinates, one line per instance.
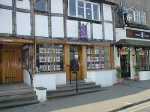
(18, 97)
(70, 90)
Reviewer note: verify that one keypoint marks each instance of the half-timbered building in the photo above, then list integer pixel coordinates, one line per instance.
(39, 38)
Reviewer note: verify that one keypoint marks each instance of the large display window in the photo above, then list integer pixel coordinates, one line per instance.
(98, 58)
(50, 58)
(143, 59)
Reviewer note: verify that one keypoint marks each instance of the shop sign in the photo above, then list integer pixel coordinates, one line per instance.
(137, 34)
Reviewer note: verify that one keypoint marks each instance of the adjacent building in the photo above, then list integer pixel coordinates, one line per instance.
(132, 51)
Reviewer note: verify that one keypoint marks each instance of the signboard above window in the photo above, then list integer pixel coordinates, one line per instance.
(137, 34)
(83, 9)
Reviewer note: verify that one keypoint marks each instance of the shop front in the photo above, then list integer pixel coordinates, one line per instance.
(11, 61)
(134, 58)
(53, 63)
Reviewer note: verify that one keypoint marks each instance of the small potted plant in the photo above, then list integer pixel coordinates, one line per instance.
(136, 75)
(119, 71)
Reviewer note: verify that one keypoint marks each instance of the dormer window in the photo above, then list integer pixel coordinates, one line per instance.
(41, 5)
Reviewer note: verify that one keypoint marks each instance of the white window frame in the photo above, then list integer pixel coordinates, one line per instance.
(99, 12)
(77, 14)
(69, 9)
(84, 2)
(91, 10)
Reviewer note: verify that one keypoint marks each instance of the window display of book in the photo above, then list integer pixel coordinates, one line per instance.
(95, 58)
(50, 58)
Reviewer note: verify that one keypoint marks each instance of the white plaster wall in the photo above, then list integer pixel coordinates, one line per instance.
(57, 27)
(60, 78)
(44, 80)
(24, 4)
(6, 2)
(108, 27)
(120, 34)
(72, 28)
(107, 12)
(5, 21)
(57, 6)
(26, 77)
(23, 23)
(104, 78)
(116, 57)
(144, 75)
(41, 25)
(132, 62)
(97, 31)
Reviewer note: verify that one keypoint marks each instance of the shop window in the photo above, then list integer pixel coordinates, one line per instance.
(98, 58)
(143, 59)
(50, 58)
(88, 11)
(81, 9)
(95, 12)
(72, 7)
(41, 5)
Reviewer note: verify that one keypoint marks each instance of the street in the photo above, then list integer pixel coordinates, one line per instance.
(110, 98)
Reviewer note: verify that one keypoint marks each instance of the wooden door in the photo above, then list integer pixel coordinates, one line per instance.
(77, 50)
(11, 65)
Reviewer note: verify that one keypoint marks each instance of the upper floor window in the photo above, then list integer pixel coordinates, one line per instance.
(84, 9)
(72, 7)
(88, 11)
(81, 9)
(41, 5)
(96, 12)
(136, 16)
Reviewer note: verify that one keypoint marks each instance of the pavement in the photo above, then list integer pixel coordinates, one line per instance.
(110, 99)
(144, 107)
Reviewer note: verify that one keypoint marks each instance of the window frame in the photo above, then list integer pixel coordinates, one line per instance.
(88, 9)
(38, 10)
(92, 10)
(77, 9)
(69, 9)
(99, 12)
(104, 64)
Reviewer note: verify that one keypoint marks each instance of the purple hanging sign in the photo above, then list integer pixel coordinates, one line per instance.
(83, 31)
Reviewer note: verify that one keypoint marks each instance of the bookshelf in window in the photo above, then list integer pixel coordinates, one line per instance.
(50, 58)
(95, 58)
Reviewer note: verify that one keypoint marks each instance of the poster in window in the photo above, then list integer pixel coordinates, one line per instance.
(83, 31)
